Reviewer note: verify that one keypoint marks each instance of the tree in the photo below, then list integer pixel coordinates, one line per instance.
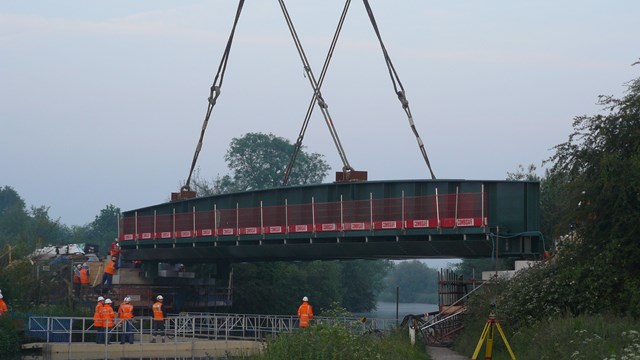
(416, 281)
(362, 281)
(13, 216)
(103, 229)
(601, 163)
(257, 161)
(524, 175)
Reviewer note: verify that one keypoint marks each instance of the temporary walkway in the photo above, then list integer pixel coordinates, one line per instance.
(191, 333)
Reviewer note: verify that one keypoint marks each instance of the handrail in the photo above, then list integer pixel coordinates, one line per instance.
(189, 327)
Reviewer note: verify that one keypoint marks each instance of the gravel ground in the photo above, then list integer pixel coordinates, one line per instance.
(443, 353)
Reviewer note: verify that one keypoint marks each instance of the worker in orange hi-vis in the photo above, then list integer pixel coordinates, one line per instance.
(108, 316)
(3, 306)
(107, 277)
(125, 313)
(305, 312)
(84, 281)
(159, 314)
(98, 323)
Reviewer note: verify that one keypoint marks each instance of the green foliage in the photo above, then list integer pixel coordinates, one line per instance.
(336, 342)
(258, 161)
(277, 288)
(601, 165)
(417, 282)
(362, 281)
(560, 337)
(101, 231)
(26, 229)
(9, 337)
(524, 175)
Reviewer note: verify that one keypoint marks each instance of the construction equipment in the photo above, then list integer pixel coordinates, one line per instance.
(488, 336)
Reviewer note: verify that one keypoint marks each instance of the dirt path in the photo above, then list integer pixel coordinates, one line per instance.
(443, 353)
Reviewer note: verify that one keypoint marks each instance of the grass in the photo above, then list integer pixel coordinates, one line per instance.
(574, 338)
(335, 342)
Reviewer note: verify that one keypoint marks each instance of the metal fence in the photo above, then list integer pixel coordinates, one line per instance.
(188, 327)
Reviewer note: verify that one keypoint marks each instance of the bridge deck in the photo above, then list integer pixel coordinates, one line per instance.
(398, 219)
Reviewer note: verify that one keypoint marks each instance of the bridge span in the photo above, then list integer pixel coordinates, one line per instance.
(355, 220)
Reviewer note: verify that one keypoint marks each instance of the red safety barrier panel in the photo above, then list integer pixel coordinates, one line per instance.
(357, 226)
(387, 225)
(300, 228)
(448, 222)
(274, 229)
(328, 227)
(205, 232)
(227, 231)
(431, 211)
(416, 224)
(250, 231)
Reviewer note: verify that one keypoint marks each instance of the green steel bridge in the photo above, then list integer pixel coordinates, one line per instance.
(400, 219)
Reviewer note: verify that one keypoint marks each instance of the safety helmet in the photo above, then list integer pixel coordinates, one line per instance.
(159, 297)
(100, 298)
(305, 299)
(79, 266)
(127, 299)
(1, 296)
(108, 301)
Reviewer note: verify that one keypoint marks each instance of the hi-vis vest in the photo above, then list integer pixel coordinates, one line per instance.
(108, 316)
(84, 276)
(97, 316)
(125, 311)
(305, 313)
(110, 268)
(157, 311)
(3, 307)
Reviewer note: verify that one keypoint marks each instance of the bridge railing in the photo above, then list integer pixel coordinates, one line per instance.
(406, 212)
(188, 327)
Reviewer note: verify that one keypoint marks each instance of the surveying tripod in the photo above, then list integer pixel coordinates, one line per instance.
(487, 334)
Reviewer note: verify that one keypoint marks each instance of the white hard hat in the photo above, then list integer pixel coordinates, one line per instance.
(159, 297)
(79, 266)
(100, 298)
(127, 299)
(108, 301)
(1, 296)
(305, 299)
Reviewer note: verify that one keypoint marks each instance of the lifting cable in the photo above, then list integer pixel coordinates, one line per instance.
(397, 84)
(215, 92)
(316, 89)
(312, 103)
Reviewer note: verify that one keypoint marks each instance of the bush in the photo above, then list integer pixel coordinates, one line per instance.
(9, 338)
(321, 341)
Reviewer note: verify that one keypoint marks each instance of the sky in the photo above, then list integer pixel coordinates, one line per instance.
(102, 102)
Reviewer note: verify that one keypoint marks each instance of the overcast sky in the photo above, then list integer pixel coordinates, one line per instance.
(101, 102)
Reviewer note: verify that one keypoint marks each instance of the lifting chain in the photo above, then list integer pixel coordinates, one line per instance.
(315, 85)
(215, 92)
(312, 103)
(399, 89)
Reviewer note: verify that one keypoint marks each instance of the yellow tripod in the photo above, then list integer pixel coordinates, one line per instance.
(487, 334)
